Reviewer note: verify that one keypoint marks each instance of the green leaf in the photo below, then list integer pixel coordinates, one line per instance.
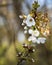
(35, 5)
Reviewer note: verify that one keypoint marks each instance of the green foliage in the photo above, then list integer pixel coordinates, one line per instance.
(3, 61)
(35, 5)
(2, 50)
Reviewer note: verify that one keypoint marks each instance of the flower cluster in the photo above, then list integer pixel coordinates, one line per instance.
(29, 49)
(36, 25)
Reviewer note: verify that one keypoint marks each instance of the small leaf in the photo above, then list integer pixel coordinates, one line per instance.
(35, 5)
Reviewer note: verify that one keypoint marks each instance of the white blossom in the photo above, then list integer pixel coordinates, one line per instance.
(41, 40)
(34, 32)
(32, 38)
(25, 27)
(30, 21)
(30, 31)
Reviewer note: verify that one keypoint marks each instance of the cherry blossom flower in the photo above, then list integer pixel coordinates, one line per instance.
(34, 32)
(41, 40)
(32, 38)
(30, 31)
(30, 21)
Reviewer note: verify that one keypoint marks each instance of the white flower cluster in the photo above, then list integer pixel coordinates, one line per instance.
(29, 24)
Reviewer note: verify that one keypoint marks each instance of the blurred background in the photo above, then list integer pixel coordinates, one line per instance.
(11, 31)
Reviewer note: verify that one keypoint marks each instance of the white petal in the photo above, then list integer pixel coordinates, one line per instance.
(20, 16)
(25, 44)
(33, 39)
(35, 33)
(28, 17)
(33, 50)
(24, 21)
(33, 60)
(22, 24)
(38, 41)
(30, 31)
(42, 39)
(33, 24)
(30, 38)
(25, 31)
(28, 22)
(25, 27)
